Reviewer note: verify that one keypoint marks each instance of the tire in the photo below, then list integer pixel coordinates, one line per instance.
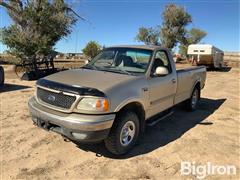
(1, 76)
(220, 65)
(192, 102)
(220, 68)
(20, 71)
(124, 133)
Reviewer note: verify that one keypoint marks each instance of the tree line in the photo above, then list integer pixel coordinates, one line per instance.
(39, 24)
(173, 30)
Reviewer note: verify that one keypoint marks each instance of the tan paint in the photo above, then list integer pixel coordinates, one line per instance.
(155, 94)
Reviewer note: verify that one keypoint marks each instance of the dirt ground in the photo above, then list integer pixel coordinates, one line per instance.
(210, 134)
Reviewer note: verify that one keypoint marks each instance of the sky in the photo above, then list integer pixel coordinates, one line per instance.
(117, 22)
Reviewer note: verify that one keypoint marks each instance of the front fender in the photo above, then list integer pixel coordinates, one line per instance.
(128, 101)
(128, 92)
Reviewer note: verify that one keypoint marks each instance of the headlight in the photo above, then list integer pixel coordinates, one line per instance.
(93, 104)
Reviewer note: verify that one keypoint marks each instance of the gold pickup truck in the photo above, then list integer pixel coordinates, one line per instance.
(115, 96)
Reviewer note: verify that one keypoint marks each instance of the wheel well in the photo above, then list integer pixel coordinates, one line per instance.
(138, 109)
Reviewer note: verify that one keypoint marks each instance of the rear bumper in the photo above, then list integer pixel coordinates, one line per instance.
(79, 127)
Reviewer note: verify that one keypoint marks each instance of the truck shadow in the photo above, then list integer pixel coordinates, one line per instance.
(12, 87)
(166, 131)
(223, 69)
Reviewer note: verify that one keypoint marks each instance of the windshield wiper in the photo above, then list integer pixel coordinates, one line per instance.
(126, 72)
(90, 66)
(117, 70)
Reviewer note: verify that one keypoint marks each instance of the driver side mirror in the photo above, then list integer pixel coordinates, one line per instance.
(161, 71)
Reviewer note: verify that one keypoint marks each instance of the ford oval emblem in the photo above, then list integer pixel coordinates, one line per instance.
(51, 98)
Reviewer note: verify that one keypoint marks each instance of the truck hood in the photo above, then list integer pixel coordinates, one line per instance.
(100, 80)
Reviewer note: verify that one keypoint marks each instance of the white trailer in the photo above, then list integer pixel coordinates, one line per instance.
(206, 54)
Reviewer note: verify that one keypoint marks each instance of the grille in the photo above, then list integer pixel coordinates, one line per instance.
(56, 99)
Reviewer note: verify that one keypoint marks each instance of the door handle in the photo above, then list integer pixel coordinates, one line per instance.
(173, 80)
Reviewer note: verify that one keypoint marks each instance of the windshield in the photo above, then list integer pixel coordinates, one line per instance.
(122, 60)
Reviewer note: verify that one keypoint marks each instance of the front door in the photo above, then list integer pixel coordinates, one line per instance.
(162, 89)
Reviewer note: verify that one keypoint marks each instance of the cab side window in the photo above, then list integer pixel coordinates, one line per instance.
(161, 59)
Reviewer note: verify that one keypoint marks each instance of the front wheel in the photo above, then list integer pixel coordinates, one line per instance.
(123, 134)
(192, 102)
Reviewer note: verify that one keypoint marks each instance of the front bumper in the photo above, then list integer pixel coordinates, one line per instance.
(79, 127)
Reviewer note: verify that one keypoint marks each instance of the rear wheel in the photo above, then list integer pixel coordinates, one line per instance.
(192, 102)
(1, 76)
(123, 134)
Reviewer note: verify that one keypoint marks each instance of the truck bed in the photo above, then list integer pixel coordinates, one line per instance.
(183, 65)
(191, 68)
(187, 77)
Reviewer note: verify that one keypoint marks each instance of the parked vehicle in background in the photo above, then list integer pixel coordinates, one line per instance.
(114, 96)
(206, 54)
(1, 76)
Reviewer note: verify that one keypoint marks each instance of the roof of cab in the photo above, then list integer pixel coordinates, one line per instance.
(148, 47)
